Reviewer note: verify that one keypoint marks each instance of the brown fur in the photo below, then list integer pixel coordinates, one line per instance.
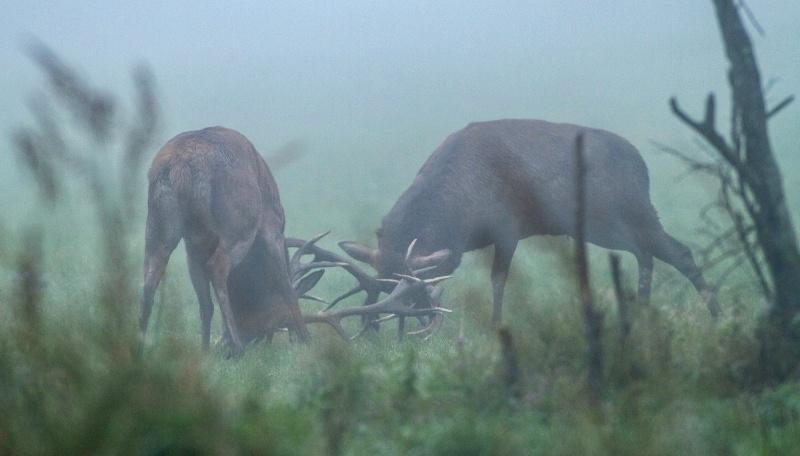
(212, 189)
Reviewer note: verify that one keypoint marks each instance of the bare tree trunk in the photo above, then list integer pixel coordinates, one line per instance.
(760, 190)
(779, 336)
(773, 223)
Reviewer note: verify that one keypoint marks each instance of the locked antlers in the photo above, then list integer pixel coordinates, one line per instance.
(410, 296)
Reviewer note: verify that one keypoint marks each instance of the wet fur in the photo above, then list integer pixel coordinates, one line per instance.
(493, 183)
(211, 188)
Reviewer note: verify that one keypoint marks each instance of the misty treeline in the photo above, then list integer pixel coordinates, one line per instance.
(78, 387)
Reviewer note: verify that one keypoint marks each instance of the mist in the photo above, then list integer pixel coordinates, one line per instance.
(372, 88)
(345, 101)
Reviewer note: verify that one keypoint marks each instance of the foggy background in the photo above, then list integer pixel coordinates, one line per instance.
(371, 88)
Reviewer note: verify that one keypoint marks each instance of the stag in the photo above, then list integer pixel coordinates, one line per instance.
(212, 189)
(497, 182)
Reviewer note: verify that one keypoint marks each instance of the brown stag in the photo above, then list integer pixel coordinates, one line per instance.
(212, 189)
(496, 182)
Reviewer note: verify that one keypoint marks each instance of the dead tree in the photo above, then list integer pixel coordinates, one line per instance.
(757, 182)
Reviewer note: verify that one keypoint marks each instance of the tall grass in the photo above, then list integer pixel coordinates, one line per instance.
(69, 382)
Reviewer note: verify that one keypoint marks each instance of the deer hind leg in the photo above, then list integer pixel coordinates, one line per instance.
(228, 255)
(198, 260)
(157, 252)
(503, 253)
(673, 252)
(619, 236)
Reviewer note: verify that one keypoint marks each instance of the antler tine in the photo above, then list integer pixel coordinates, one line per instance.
(334, 318)
(417, 272)
(431, 281)
(409, 251)
(435, 280)
(294, 263)
(429, 328)
(394, 281)
(322, 318)
(305, 267)
(394, 304)
(326, 255)
(313, 298)
(365, 281)
(386, 318)
(408, 277)
(435, 293)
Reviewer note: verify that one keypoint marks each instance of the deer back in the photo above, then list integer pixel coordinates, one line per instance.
(515, 174)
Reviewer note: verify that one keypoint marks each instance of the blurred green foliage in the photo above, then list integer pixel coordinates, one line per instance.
(70, 384)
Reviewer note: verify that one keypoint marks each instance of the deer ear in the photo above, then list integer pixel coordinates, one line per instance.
(360, 252)
(434, 259)
(308, 282)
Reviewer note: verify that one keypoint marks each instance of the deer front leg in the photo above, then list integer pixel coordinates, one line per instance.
(278, 268)
(227, 256)
(197, 271)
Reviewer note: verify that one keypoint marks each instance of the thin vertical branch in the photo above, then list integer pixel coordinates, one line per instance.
(593, 319)
(752, 17)
(744, 242)
(622, 303)
(580, 222)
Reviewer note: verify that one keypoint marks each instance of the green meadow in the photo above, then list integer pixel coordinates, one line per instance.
(365, 121)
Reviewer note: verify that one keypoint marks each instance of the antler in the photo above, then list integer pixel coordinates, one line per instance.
(327, 258)
(436, 320)
(431, 299)
(297, 267)
(301, 281)
(394, 304)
